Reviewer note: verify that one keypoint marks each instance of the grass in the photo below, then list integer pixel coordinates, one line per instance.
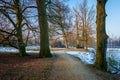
(13, 67)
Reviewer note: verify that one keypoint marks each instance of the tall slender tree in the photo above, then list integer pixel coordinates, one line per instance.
(85, 17)
(101, 35)
(43, 25)
(60, 18)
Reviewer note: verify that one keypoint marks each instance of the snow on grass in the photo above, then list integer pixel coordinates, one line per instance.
(32, 51)
(13, 50)
(86, 57)
(33, 48)
(29, 49)
(8, 49)
(112, 58)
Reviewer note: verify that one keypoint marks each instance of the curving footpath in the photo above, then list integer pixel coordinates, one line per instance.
(66, 67)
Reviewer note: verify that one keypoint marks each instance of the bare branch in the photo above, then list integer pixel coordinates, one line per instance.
(10, 33)
(7, 16)
(27, 8)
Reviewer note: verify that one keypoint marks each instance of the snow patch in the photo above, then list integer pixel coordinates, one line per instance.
(8, 49)
(86, 57)
(112, 58)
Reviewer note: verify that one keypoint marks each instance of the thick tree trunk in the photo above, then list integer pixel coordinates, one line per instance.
(101, 36)
(21, 45)
(44, 38)
(18, 27)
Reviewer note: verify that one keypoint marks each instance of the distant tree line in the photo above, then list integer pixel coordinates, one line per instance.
(114, 43)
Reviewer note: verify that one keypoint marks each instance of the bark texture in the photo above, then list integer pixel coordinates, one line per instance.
(43, 24)
(101, 36)
(18, 27)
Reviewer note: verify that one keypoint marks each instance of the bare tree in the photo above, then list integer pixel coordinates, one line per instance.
(84, 22)
(14, 11)
(59, 18)
(77, 31)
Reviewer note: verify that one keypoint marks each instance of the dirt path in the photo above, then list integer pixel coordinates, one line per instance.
(67, 67)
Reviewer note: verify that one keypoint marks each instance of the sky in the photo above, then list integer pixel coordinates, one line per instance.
(113, 15)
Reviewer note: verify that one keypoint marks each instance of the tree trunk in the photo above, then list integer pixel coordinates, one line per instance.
(101, 36)
(86, 44)
(18, 27)
(83, 33)
(77, 34)
(65, 37)
(86, 40)
(65, 40)
(21, 45)
(44, 38)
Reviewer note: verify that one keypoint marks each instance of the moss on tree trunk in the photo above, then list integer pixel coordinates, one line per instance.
(101, 36)
(43, 24)
(18, 27)
(21, 45)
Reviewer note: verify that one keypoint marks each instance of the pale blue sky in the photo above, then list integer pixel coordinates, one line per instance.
(113, 15)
